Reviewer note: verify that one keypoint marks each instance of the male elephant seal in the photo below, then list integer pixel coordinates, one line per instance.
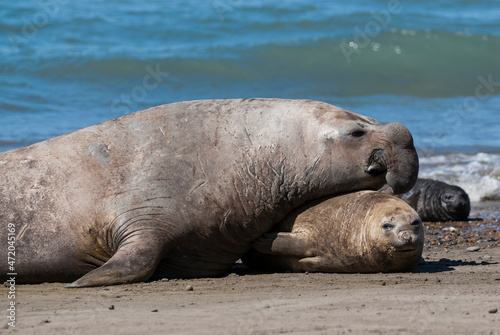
(436, 201)
(358, 232)
(181, 190)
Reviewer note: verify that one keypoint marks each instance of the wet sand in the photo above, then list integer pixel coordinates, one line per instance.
(454, 291)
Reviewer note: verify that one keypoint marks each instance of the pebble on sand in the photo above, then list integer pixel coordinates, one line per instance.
(493, 310)
(189, 288)
(471, 249)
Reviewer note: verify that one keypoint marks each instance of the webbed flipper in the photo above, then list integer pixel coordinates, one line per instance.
(284, 244)
(133, 262)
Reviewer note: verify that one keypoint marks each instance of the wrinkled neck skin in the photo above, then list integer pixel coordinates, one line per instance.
(251, 168)
(289, 162)
(251, 165)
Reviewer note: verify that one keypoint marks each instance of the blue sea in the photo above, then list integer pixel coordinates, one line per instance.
(432, 65)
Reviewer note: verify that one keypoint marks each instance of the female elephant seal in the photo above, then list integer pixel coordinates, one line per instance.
(358, 232)
(436, 201)
(183, 189)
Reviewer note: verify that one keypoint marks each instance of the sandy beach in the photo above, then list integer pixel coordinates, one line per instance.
(454, 291)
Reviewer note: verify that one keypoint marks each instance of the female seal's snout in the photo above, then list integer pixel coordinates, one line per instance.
(406, 237)
(406, 234)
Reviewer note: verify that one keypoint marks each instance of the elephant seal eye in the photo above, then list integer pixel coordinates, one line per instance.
(388, 226)
(358, 133)
(448, 197)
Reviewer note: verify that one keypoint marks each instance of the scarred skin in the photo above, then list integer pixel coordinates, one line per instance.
(436, 201)
(358, 232)
(181, 190)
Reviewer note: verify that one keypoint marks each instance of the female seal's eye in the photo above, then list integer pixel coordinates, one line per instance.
(358, 133)
(387, 226)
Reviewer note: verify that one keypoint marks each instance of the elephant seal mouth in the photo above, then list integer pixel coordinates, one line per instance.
(403, 249)
(376, 165)
(406, 250)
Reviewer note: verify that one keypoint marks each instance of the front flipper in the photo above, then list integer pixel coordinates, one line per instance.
(284, 244)
(133, 262)
(312, 264)
(280, 251)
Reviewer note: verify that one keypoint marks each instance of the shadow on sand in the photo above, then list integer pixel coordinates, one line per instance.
(445, 264)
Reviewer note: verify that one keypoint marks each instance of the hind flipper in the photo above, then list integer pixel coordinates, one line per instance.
(133, 262)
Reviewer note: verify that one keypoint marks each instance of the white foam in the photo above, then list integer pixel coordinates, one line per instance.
(478, 174)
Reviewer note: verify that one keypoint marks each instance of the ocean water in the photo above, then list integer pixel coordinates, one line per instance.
(432, 65)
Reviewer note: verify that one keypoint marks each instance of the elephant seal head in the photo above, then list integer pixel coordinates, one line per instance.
(365, 153)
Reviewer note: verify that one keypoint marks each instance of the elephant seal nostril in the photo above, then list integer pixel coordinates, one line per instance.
(376, 163)
(376, 170)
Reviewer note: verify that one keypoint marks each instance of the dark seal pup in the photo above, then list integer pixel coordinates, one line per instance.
(358, 232)
(181, 190)
(436, 201)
